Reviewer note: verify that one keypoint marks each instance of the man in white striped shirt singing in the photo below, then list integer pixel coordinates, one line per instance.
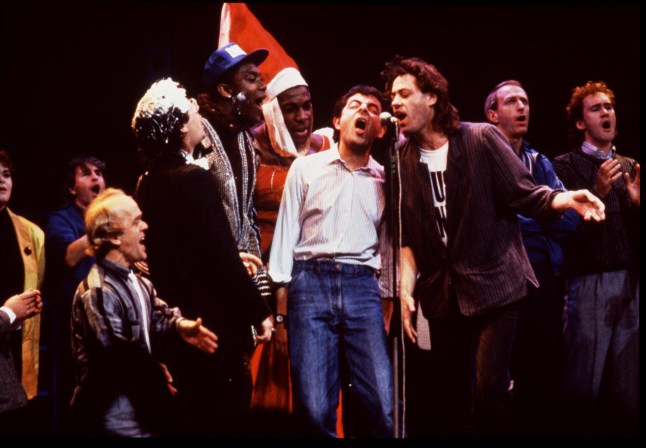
(328, 250)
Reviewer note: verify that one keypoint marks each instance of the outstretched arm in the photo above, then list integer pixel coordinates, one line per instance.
(194, 333)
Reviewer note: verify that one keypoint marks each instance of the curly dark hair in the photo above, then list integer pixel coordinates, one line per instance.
(429, 80)
(361, 89)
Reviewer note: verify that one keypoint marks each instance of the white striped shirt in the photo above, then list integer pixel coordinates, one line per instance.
(145, 326)
(329, 212)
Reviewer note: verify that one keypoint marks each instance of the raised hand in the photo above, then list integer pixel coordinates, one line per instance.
(632, 186)
(609, 171)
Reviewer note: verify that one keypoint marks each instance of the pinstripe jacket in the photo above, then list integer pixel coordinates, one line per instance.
(486, 186)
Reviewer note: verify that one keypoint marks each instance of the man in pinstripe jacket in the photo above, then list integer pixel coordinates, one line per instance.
(462, 188)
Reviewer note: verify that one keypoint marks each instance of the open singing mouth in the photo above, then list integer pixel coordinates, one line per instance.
(361, 123)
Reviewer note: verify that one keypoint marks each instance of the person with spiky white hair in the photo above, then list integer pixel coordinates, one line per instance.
(194, 263)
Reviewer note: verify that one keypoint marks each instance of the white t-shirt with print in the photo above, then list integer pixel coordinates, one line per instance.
(436, 161)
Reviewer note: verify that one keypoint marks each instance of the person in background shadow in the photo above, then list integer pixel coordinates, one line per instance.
(537, 361)
(67, 265)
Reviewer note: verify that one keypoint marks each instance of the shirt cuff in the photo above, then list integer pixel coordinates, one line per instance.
(279, 279)
(9, 312)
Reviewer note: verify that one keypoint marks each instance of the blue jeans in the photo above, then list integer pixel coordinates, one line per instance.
(335, 310)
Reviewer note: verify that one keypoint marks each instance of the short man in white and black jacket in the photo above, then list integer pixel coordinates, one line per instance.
(117, 323)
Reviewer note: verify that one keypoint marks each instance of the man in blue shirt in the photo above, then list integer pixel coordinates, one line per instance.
(67, 265)
(537, 359)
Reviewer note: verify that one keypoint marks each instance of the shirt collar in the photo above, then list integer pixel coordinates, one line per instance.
(334, 157)
(597, 153)
(114, 268)
(188, 157)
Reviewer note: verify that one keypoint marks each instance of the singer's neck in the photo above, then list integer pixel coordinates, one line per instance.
(354, 157)
(431, 140)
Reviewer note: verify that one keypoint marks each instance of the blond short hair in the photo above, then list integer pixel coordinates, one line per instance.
(104, 221)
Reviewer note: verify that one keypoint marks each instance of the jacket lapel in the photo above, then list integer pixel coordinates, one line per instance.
(456, 190)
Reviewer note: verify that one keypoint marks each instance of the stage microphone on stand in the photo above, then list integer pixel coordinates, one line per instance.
(387, 119)
(396, 329)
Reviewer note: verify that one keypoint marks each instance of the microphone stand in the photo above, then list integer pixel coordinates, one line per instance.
(396, 329)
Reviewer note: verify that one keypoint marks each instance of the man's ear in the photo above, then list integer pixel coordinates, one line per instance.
(382, 131)
(580, 125)
(432, 99)
(336, 123)
(115, 241)
(225, 91)
(184, 129)
(492, 116)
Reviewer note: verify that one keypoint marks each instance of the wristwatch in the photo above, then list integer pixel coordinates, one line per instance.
(280, 319)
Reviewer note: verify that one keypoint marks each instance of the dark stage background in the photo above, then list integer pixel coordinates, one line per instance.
(72, 72)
